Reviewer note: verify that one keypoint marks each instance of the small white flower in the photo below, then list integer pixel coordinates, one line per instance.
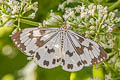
(110, 29)
(105, 16)
(117, 19)
(86, 32)
(62, 6)
(70, 1)
(27, 8)
(92, 12)
(68, 24)
(92, 21)
(92, 27)
(66, 16)
(79, 25)
(91, 6)
(92, 32)
(31, 7)
(53, 20)
(100, 15)
(32, 15)
(99, 7)
(82, 8)
(84, 14)
(35, 3)
(12, 3)
(9, 23)
(16, 9)
(112, 15)
(77, 9)
(24, 1)
(35, 7)
(103, 26)
(4, 16)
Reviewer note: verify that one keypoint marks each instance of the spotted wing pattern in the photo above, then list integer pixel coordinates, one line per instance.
(52, 47)
(49, 55)
(79, 51)
(95, 51)
(30, 39)
(71, 61)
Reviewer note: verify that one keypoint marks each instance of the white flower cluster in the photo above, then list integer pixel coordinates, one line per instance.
(93, 17)
(54, 20)
(93, 21)
(14, 8)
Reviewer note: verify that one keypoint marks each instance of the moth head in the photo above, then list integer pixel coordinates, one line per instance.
(64, 26)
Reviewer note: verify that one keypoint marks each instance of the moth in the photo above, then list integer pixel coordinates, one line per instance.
(51, 47)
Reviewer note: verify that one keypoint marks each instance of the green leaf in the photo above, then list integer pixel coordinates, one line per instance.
(84, 74)
(98, 72)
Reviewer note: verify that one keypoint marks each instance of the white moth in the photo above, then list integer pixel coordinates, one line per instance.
(52, 47)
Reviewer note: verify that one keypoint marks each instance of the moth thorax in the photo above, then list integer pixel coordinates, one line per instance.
(64, 26)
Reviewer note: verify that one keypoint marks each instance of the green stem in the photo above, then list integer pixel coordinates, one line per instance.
(114, 5)
(29, 22)
(18, 22)
(99, 28)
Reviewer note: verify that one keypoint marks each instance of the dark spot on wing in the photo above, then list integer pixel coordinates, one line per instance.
(100, 57)
(31, 52)
(22, 46)
(42, 32)
(81, 39)
(62, 42)
(39, 42)
(70, 66)
(84, 62)
(45, 46)
(102, 52)
(90, 46)
(80, 50)
(79, 63)
(46, 63)
(70, 54)
(63, 61)
(54, 61)
(37, 56)
(58, 59)
(94, 60)
(31, 35)
(51, 51)
(16, 36)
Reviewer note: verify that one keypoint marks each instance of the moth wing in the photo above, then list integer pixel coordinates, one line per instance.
(28, 40)
(71, 61)
(93, 52)
(49, 55)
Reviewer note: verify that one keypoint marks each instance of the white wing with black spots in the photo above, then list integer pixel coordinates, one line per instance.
(52, 47)
(90, 49)
(49, 55)
(71, 61)
(27, 40)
